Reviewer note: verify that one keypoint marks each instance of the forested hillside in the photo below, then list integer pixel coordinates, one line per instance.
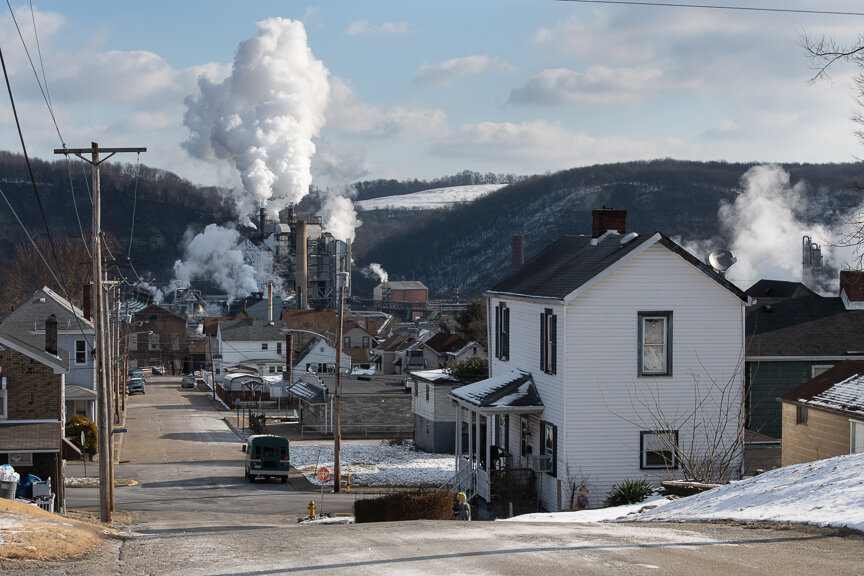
(465, 248)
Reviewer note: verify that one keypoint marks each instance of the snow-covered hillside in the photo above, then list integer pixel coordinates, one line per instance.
(430, 199)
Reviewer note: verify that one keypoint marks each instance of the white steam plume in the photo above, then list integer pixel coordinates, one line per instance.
(340, 217)
(215, 255)
(264, 116)
(375, 269)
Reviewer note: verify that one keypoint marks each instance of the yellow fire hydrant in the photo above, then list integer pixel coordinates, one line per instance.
(312, 510)
(348, 485)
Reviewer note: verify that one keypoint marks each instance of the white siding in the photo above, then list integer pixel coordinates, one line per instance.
(599, 411)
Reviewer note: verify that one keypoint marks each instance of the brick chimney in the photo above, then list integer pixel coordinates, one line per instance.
(86, 303)
(852, 283)
(608, 219)
(51, 335)
(518, 251)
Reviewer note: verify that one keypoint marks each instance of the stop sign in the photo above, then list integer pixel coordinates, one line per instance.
(323, 474)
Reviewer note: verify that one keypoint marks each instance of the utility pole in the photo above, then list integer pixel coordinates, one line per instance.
(337, 448)
(102, 391)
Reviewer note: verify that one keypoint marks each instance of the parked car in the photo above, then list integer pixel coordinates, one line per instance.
(135, 386)
(136, 373)
(267, 455)
(188, 382)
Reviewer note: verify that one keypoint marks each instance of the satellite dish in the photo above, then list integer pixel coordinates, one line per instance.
(721, 260)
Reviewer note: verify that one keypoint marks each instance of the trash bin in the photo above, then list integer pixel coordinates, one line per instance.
(7, 489)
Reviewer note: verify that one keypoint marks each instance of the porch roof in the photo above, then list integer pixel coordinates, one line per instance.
(509, 392)
(308, 390)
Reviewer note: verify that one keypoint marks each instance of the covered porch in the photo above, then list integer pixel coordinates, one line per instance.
(488, 411)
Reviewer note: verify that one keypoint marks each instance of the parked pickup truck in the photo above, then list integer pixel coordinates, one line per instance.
(135, 386)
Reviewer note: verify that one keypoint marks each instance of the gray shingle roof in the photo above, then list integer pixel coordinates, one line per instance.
(514, 389)
(840, 389)
(572, 261)
(251, 330)
(801, 323)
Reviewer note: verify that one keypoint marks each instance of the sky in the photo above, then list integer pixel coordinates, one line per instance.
(420, 90)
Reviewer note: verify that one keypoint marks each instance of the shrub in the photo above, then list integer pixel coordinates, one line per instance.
(416, 505)
(629, 492)
(80, 423)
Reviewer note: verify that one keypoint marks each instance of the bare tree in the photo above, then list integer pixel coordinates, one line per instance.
(712, 429)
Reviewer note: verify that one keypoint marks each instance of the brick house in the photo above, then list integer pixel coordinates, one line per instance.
(157, 338)
(32, 414)
(824, 417)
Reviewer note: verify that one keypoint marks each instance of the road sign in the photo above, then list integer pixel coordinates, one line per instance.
(119, 430)
(323, 474)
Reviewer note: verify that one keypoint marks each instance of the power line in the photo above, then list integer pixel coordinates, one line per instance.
(713, 7)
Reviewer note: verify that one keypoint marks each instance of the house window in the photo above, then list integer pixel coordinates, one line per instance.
(502, 331)
(133, 341)
(278, 348)
(416, 389)
(427, 392)
(153, 343)
(548, 341)
(346, 341)
(549, 445)
(272, 369)
(655, 343)
(818, 369)
(856, 437)
(657, 449)
(264, 346)
(365, 341)
(524, 448)
(21, 459)
(801, 414)
(80, 352)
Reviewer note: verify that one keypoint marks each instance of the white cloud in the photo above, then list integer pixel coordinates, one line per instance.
(597, 84)
(459, 67)
(363, 27)
(350, 115)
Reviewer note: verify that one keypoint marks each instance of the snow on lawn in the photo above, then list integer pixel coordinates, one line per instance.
(826, 493)
(430, 199)
(374, 464)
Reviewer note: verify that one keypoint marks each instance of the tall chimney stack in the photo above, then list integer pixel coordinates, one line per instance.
(51, 335)
(270, 298)
(301, 275)
(608, 219)
(261, 221)
(518, 252)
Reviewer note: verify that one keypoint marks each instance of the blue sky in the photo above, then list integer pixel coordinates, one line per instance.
(427, 89)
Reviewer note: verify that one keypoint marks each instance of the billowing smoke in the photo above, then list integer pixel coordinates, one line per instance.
(766, 224)
(264, 116)
(215, 255)
(340, 217)
(376, 270)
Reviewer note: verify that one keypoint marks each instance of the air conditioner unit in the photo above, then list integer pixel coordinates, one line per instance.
(541, 463)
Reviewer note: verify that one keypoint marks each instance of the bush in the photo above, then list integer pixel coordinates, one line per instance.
(417, 505)
(80, 423)
(629, 492)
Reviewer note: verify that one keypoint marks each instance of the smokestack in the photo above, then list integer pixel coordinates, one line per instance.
(51, 335)
(261, 221)
(86, 304)
(608, 219)
(518, 251)
(270, 295)
(300, 275)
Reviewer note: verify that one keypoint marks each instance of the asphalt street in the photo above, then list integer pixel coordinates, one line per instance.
(193, 514)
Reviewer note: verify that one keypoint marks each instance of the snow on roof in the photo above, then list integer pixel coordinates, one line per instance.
(513, 389)
(847, 396)
(434, 375)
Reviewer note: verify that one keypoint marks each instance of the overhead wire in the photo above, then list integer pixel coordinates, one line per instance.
(719, 7)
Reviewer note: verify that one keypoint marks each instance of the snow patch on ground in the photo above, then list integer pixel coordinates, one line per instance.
(826, 493)
(433, 199)
(374, 464)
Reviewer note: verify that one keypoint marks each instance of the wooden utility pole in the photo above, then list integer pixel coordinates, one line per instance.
(337, 448)
(102, 391)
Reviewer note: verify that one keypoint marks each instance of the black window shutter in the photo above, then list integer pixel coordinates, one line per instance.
(498, 331)
(554, 337)
(543, 341)
(506, 337)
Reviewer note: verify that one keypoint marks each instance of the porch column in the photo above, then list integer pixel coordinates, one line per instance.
(478, 439)
(489, 466)
(458, 436)
(470, 438)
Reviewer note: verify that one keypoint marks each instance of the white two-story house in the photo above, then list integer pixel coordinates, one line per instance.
(612, 357)
(250, 342)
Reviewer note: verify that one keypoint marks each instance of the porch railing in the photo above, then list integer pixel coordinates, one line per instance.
(463, 481)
